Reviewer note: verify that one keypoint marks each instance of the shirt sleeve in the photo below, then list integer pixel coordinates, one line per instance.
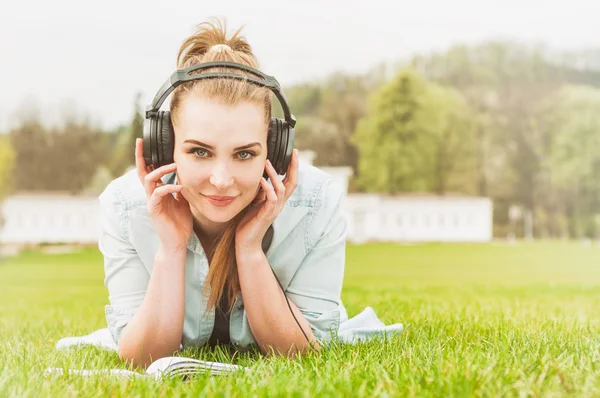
(125, 275)
(317, 284)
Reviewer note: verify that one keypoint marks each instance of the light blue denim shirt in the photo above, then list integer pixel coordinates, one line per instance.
(307, 254)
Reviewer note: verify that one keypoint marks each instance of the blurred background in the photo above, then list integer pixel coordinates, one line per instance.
(463, 121)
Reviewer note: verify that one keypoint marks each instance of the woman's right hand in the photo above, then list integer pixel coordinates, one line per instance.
(170, 214)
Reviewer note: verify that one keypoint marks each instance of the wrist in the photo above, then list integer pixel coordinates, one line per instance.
(249, 255)
(171, 253)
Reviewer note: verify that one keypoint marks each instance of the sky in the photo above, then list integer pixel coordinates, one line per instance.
(90, 58)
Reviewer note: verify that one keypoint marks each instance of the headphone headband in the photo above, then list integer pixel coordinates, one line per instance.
(181, 76)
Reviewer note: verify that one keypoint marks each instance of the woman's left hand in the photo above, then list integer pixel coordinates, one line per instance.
(266, 206)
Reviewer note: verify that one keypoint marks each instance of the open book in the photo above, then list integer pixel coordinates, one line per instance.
(163, 367)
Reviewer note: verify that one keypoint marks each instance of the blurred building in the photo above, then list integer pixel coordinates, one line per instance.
(418, 218)
(36, 218)
(50, 218)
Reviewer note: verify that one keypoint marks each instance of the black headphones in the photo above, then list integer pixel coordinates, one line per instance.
(159, 137)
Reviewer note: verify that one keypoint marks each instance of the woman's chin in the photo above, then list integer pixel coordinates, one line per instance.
(219, 218)
(220, 214)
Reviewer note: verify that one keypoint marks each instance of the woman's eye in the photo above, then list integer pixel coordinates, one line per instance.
(245, 155)
(200, 152)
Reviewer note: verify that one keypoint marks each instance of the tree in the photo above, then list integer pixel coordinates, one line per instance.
(328, 113)
(7, 164)
(77, 150)
(343, 104)
(137, 127)
(453, 138)
(57, 159)
(416, 136)
(32, 146)
(303, 99)
(123, 154)
(574, 161)
(507, 84)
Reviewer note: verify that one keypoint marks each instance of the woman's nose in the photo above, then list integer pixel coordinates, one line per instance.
(221, 178)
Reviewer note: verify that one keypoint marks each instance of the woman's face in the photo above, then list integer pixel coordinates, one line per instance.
(220, 152)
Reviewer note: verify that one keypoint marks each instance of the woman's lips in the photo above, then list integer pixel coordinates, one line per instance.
(220, 201)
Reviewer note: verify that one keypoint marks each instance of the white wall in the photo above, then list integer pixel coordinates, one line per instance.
(418, 218)
(37, 218)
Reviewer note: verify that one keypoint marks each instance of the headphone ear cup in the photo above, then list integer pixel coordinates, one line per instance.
(280, 144)
(149, 125)
(283, 145)
(287, 147)
(165, 143)
(282, 128)
(273, 137)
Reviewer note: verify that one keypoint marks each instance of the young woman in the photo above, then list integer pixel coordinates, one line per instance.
(205, 250)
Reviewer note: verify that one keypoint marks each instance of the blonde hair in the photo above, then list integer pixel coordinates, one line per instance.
(210, 43)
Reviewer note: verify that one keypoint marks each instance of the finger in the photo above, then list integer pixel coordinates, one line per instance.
(271, 195)
(152, 179)
(180, 197)
(261, 196)
(277, 184)
(292, 175)
(267, 208)
(287, 173)
(140, 164)
(161, 192)
(290, 166)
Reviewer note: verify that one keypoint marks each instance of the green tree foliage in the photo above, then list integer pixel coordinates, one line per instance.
(304, 99)
(77, 150)
(7, 164)
(416, 137)
(328, 113)
(574, 161)
(515, 104)
(123, 141)
(508, 86)
(32, 148)
(137, 127)
(56, 159)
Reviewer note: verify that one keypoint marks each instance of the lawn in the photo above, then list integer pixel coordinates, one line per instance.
(480, 320)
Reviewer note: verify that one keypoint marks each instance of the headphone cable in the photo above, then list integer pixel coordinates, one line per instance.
(292, 311)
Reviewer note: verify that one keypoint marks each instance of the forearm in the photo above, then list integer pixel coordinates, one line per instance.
(269, 317)
(156, 328)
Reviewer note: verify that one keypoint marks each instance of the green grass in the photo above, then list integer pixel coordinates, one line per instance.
(480, 320)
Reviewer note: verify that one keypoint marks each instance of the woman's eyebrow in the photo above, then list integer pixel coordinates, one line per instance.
(248, 146)
(200, 143)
